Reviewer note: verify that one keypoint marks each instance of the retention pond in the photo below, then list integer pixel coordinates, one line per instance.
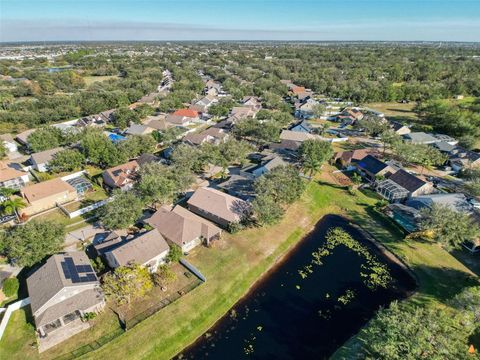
(289, 316)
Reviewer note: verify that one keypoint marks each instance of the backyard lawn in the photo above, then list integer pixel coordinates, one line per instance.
(236, 261)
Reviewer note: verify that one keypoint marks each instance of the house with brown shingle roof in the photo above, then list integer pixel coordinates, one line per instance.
(46, 195)
(122, 176)
(41, 159)
(212, 135)
(148, 249)
(183, 228)
(61, 291)
(217, 206)
(12, 178)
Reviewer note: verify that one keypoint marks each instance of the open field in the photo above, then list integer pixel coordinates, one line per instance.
(89, 80)
(238, 260)
(396, 111)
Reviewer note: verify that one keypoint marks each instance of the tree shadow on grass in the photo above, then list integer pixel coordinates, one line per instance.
(442, 283)
(468, 259)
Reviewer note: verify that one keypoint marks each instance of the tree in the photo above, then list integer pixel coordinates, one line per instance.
(188, 157)
(123, 116)
(313, 153)
(235, 152)
(3, 150)
(125, 208)
(156, 184)
(318, 110)
(373, 125)
(168, 136)
(410, 333)
(164, 276)
(10, 287)
(30, 243)
(45, 138)
(418, 154)
(282, 186)
(136, 145)
(99, 150)
(67, 160)
(266, 210)
(127, 283)
(175, 254)
(450, 228)
(13, 205)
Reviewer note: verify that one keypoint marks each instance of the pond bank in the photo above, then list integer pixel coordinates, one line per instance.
(285, 317)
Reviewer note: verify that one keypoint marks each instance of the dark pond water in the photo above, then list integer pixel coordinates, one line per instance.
(287, 317)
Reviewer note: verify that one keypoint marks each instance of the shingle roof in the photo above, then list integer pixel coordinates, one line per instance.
(181, 226)
(141, 249)
(224, 206)
(407, 181)
(49, 279)
(44, 157)
(45, 189)
(186, 112)
(372, 164)
(9, 173)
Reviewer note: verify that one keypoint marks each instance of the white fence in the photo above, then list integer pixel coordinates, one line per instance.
(11, 308)
(74, 175)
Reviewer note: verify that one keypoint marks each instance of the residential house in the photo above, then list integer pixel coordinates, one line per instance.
(183, 228)
(204, 103)
(295, 90)
(420, 138)
(302, 126)
(147, 159)
(182, 117)
(157, 122)
(41, 159)
(354, 113)
(212, 135)
(399, 128)
(306, 109)
(461, 158)
(251, 101)
(138, 129)
(212, 88)
(268, 164)
(46, 195)
(242, 112)
(61, 292)
(402, 185)
(148, 249)
(407, 217)
(239, 186)
(9, 143)
(221, 208)
(372, 169)
(457, 202)
(291, 140)
(12, 178)
(22, 138)
(348, 159)
(121, 176)
(445, 147)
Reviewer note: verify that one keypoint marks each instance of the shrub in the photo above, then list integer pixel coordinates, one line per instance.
(10, 287)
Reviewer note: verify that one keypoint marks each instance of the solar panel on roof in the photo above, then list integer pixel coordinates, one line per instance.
(66, 272)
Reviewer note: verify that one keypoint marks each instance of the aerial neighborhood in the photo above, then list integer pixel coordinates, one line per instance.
(179, 178)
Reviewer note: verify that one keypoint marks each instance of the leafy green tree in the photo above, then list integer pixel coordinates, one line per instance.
(13, 206)
(125, 208)
(168, 136)
(30, 243)
(373, 125)
(189, 158)
(410, 333)
(319, 110)
(67, 160)
(260, 132)
(157, 184)
(266, 210)
(314, 153)
(422, 155)
(3, 150)
(175, 254)
(45, 138)
(10, 287)
(235, 152)
(164, 276)
(123, 116)
(99, 150)
(450, 228)
(136, 145)
(283, 185)
(127, 283)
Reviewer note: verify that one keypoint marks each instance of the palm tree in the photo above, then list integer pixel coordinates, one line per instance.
(12, 206)
(311, 166)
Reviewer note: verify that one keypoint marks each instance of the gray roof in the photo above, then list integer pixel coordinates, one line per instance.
(455, 201)
(420, 138)
(50, 278)
(137, 129)
(44, 157)
(141, 249)
(407, 181)
(444, 146)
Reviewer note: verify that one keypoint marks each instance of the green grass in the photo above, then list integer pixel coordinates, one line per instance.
(234, 264)
(89, 80)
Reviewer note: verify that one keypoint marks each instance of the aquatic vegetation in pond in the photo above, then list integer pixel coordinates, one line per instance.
(347, 297)
(374, 274)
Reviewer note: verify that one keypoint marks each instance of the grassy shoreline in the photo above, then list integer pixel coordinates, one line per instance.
(238, 261)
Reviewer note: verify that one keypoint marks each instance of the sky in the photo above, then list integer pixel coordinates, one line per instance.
(369, 20)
